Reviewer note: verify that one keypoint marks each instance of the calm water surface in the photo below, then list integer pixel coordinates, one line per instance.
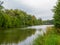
(24, 36)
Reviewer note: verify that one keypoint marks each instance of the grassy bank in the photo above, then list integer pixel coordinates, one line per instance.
(50, 38)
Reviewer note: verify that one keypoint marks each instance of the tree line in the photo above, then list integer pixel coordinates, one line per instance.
(48, 22)
(10, 18)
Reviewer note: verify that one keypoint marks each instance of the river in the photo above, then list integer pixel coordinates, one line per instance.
(23, 36)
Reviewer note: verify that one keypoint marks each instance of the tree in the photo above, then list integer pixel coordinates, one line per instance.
(56, 11)
(1, 7)
(39, 21)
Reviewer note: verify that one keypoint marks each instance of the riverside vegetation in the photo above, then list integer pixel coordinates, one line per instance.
(52, 36)
(11, 18)
(15, 18)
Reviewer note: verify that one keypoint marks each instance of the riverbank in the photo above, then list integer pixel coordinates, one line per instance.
(50, 38)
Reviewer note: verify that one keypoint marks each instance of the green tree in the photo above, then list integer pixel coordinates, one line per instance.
(39, 21)
(56, 11)
(1, 7)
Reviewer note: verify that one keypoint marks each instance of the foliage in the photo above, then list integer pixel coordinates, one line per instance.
(10, 18)
(1, 7)
(56, 11)
(48, 22)
(50, 38)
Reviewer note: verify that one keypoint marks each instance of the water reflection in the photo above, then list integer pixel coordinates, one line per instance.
(14, 36)
(23, 36)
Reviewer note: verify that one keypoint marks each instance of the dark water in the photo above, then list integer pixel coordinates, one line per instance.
(20, 36)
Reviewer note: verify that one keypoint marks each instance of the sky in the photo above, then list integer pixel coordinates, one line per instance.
(39, 8)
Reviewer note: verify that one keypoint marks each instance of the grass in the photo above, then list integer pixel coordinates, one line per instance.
(50, 38)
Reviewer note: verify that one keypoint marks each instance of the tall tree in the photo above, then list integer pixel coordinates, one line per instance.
(56, 11)
(1, 7)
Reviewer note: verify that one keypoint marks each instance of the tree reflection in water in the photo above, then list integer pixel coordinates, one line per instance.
(10, 36)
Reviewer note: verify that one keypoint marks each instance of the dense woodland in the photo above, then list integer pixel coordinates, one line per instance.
(10, 18)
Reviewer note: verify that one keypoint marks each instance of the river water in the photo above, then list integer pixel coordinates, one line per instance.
(23, 36)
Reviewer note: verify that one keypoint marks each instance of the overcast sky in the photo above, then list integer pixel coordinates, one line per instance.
(39, 8)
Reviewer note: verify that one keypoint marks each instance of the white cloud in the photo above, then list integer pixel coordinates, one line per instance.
(37, 3)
